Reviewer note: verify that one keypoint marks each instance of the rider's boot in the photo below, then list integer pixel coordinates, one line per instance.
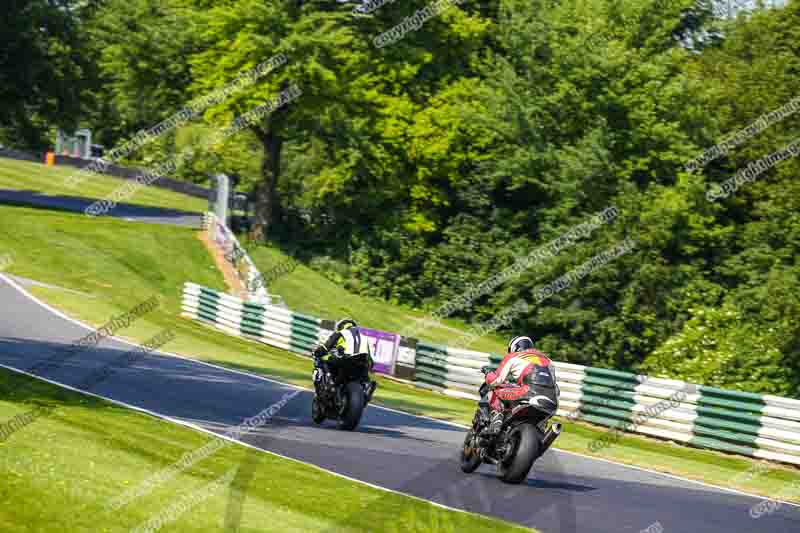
(371, 390)
(319, 376)
(484, 414)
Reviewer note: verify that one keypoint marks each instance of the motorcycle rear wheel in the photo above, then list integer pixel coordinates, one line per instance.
(526, 441)
(354, 406)
(470, 458)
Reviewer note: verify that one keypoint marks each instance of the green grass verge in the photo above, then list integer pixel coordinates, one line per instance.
(28, 176)
(307, 291)
(142, 259)
(61, 471)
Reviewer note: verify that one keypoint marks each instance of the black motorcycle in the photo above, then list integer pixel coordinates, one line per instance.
(342, 388)
(526, 432)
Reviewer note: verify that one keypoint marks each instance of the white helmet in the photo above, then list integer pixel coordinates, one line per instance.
(345, 323)
(520, 344)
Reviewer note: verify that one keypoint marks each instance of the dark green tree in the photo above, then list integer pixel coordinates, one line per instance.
(44, 69)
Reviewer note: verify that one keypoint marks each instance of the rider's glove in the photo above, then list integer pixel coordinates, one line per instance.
(319, 351)
(483, 390)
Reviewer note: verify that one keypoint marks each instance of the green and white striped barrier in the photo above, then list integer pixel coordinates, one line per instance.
(273, 325)
(269, 324)
(766, 427)
(451, 371)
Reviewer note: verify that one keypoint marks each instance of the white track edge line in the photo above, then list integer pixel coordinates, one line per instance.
(673, 476)
(201, 429)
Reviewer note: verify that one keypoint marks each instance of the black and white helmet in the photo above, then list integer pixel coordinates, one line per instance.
(345, 323)
(520, 344)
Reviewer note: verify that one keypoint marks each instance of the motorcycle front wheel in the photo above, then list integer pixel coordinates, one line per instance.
(470, 458)
(317, 412)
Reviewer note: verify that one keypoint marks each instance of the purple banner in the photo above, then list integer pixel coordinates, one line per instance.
(383, 346)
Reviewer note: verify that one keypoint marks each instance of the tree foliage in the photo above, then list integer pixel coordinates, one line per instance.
(43, 69)
(420, 168)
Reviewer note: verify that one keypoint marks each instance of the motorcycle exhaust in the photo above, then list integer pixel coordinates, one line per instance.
(550, 437)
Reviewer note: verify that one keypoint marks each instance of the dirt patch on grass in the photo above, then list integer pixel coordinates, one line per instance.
(232, 281)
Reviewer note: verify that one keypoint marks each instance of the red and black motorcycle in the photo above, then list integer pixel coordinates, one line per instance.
(527, 431)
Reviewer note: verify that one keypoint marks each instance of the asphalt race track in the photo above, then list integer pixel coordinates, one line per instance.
(565, 493)
(77, 204)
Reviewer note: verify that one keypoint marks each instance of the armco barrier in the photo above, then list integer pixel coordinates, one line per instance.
(766, 427)
(11, 153)
(269, 324)
(128, 173)
(184, 187)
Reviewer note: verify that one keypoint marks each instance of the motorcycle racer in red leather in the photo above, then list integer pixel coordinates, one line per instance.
(522, 359)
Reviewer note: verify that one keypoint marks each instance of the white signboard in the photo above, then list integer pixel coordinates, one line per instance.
(384, 349)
